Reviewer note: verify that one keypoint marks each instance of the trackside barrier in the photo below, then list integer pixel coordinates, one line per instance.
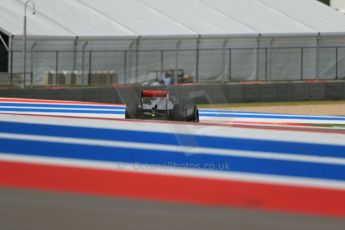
(200, 94)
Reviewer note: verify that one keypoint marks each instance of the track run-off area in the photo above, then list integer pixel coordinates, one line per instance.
(261, 161)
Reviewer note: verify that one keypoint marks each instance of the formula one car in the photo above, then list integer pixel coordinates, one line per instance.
(157, 105)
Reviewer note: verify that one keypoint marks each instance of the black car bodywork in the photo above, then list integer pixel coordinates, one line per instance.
(157, 105)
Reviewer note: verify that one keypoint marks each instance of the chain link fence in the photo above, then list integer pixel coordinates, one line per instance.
(184, 62)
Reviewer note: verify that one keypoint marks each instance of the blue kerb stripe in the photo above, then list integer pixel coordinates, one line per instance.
(203, 112)
(175, 139)
(60, 111)
(62, 106)
(121, 112)
(230, 111)
(118, 107)
(272, 116)
(221, 112)
(175, 159)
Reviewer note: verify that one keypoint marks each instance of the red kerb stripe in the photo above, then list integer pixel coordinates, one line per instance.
(204, 191)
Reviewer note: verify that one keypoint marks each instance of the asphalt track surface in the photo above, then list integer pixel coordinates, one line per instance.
(35, 210)
(54, 173)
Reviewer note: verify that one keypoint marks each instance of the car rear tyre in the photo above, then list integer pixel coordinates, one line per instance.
(177, 113)
(192, 113)
(132, 111)
(185, 113)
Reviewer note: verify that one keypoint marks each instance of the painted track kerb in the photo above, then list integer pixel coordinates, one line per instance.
(175, 148)
(224, 155)
(117, 111)
(153, 169)
(180, 144)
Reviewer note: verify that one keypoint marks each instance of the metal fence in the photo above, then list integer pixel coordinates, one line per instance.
(109, 67)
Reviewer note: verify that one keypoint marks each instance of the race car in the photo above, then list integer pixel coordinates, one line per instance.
(157, 105)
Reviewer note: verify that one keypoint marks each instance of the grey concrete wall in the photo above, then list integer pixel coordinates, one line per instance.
(199, 94)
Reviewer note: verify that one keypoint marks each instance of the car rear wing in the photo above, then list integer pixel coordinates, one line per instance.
(154, 93)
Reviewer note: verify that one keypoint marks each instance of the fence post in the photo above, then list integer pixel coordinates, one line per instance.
(90, 68)
(31, 68)
(224, 58)
(32, 63)
(11, 68)
(302, 62)
(125, 66)
(318, 38)
(56, 68)
(137, 59)
(258, 43)
(230, 64)
(162, 61)
(197, 58)
(177, 52)
(11, 64)
(75, 53)
(83, 63)
(269, 60)
(266, 63)
(336, 62)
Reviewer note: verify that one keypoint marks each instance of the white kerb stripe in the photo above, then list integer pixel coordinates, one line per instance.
(178, 148)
